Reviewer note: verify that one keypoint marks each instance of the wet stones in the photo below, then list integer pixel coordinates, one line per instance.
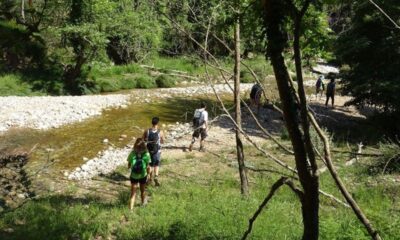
(14, 181)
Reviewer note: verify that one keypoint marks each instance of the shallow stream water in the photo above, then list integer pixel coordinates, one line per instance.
(65, 148)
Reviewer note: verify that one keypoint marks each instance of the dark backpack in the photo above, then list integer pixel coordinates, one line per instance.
(138, 166)
(153, 141)
(197, 118)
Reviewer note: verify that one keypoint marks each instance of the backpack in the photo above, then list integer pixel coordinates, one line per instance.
(153, 141)
(331, 88)
(138, 166)
(320, 84)
(197, 121)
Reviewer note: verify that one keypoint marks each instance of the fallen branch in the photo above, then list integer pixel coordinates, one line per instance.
(274, 188)
(359, 154)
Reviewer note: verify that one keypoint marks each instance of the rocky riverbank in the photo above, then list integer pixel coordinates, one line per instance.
(108, 160)
(52, 112)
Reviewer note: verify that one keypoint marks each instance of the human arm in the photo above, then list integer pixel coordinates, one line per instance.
(205, 116)
(162, 139)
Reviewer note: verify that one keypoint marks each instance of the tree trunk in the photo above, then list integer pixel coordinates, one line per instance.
(274, 12)
(244, 188)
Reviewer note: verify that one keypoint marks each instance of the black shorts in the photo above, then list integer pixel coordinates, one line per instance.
(155, 159)
(141, 180)
(200, 132)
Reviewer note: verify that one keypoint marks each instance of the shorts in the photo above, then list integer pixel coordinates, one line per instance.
(141, 180)
(155, 159)
(200, 132)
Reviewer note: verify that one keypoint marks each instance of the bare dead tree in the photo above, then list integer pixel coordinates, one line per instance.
(244, 184)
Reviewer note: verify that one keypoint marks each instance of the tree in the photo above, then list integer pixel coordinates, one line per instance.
(276, 15)
(369, 48)
(238, 118)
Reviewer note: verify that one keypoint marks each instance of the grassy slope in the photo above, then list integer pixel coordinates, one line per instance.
(200, 199)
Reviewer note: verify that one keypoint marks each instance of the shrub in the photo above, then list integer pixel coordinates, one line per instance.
(389, 162)
(12, 85)
(128, 83)
(246, 77)
(164, 81)
(145, 82)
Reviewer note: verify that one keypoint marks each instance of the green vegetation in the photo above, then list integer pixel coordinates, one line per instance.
(368, 50)
(204, 203)
(12, 84)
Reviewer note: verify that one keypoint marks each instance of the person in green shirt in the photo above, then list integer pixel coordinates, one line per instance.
(138, 162)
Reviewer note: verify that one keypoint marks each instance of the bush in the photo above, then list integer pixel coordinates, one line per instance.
(164, 81)
(108, 85)
(145, 82)
(12, 85)
(389, 162)
(128, 83)
(246, 77)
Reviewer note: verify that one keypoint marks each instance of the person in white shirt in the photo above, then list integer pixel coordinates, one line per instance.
(200, 124)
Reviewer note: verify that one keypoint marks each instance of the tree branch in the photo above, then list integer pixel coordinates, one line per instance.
(274, 188)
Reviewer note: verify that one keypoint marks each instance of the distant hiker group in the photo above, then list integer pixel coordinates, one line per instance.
(330, 89)
(145, 157)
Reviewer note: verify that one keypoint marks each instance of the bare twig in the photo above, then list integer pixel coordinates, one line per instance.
(384, 13)
(274, 188)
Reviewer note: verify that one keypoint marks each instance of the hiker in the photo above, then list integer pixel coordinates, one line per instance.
(200, 124)
(154, 137)
(330, 91)
(255, 96)
(319, 87)
(138, 162)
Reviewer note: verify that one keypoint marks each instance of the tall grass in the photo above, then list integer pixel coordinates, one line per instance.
(202, 205)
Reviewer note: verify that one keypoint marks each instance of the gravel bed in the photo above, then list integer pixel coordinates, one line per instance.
(52, 112)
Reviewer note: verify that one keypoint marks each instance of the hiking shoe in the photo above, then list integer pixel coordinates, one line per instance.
(156, 182)
(202, 149)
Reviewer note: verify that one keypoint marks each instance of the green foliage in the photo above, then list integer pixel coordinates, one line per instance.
(389, 162)
(370, 49)
(317, 40)
(216, 212)
(246, 77)
(133, 35)
(164, 81)
(184, 64)
(145, 82)
(11, 84)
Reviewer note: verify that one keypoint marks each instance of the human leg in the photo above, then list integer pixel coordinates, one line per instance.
(203, 137)
(156, 158)
(134, 186)
(143, 191)
(195, 135)
(327, 99)
(333, 100)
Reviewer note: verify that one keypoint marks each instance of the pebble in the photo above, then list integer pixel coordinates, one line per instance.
(105, 140)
